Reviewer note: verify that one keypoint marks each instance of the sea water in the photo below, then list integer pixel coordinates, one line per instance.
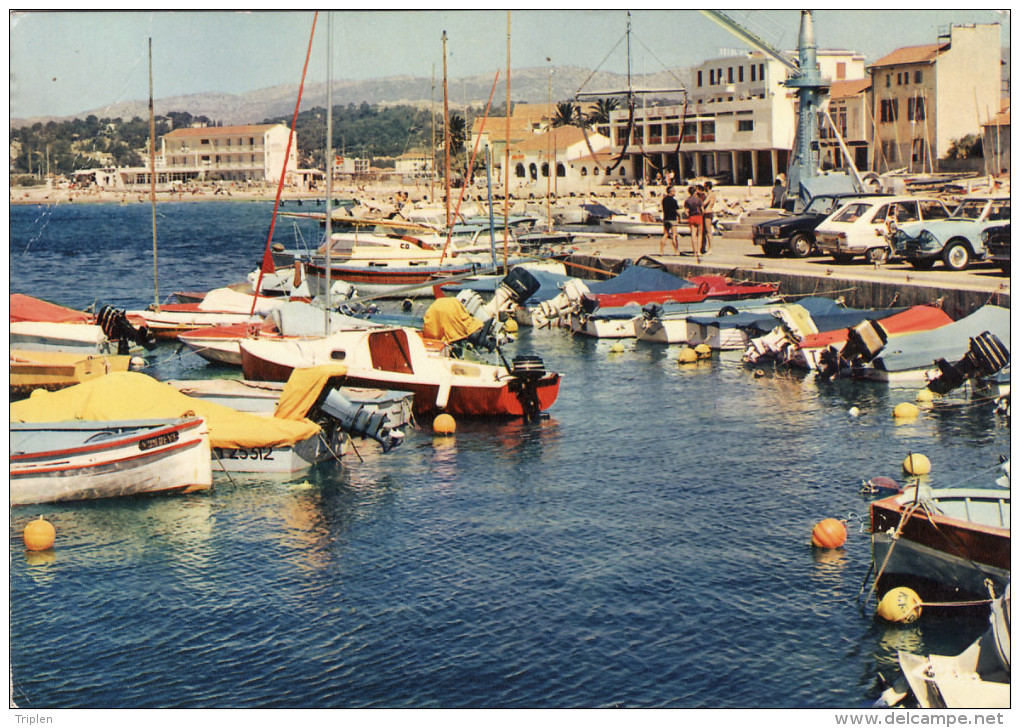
(645, 545)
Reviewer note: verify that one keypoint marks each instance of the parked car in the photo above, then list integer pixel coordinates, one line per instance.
(997, 243)
(956, 240)
(795, 234)
(863, 227)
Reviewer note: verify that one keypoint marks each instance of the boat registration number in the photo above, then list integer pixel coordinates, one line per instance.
(244, 453)
(158, 441)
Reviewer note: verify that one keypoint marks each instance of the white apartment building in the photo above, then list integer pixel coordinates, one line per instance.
(238, 153)
(739, 121)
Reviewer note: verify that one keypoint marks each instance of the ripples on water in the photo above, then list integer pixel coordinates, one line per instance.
(646, 545)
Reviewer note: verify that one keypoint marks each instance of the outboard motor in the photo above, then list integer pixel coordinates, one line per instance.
(116, 327)
(986, 356)
(515, 288)
(569, 300)
(864, 342)
(526, 371)
(357, 419)
(651, 311)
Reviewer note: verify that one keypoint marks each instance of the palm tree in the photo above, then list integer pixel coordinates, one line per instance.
(603, 108)
(566, 114)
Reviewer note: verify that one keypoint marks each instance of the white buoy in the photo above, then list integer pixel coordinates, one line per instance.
(854, 412)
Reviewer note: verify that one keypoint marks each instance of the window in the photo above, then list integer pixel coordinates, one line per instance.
(729, 75)
(999, 210)
(888, 110)
(596, 171)
(204, 141)
(888, 80)
(889, 151)
(740, 74)
(881, 214)
(745, 124)
(915, 109)
(917, 77)
(519, 171)
(545, 169)
(753, 69)
(561, 171)
(711, 77)
(228, 142)
(932, 210)
(761, 71)
(840, 70)
(850, 213)
(533, 170)
(899, 79)
(584, 171)
(251, 141)
(699, 79)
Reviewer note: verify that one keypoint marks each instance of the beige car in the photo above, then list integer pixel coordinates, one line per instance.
(863, 228)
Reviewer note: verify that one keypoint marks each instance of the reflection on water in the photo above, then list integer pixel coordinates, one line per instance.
(645, 545)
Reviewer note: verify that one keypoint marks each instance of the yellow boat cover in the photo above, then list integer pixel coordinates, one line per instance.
(303, 388)
(447, 320)
(136, 396)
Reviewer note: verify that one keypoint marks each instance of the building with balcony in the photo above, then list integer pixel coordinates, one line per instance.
(925, 97)
(738, 124)
(234, 153)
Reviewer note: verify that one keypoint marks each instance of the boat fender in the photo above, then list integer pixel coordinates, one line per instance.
(726, 310)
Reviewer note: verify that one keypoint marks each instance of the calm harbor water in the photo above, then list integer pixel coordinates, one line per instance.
(646, 545)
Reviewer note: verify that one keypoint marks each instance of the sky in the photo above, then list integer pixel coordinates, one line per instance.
(64, 63)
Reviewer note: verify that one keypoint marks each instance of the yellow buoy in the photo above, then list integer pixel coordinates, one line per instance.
(444, 424)
(828, 534)
(900, 605)
(925, 396)
(703, 351)
(687, 355)
(905, 410)
(39, 535)
(510, 326)
(916, 464)
(616, 348)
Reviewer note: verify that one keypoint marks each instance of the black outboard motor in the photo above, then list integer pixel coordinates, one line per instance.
(651, 311)
(357, 419)
(986, 356)
(115, 325)
(521, 284)
(864, 342)
(526, 372)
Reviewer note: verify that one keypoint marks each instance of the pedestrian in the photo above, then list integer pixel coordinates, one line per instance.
(693, 207)
(670, 218)
(779, 191)
(708, 216)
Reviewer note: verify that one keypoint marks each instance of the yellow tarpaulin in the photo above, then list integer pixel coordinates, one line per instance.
(448, 320)
(135, 396)
(303, 388)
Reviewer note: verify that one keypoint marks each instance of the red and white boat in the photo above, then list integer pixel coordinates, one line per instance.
(402, 359)
(39, 325)
(219, 307)
(63, 461)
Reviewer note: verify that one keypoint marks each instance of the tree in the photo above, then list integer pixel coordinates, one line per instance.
(566, 114)
(603, 108)
(968, 146)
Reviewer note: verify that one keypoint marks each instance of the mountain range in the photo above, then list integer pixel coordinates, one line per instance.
(529, 85)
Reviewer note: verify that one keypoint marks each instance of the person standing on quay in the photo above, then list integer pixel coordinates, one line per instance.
(694, 209)
(708, 208)
(670, 218)
(779, 191)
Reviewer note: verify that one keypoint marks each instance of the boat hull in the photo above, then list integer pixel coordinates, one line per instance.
(51, 370)
(141, 458)
(278, 459)
(75, 338)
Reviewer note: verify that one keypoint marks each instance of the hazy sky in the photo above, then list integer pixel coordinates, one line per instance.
(63, 63)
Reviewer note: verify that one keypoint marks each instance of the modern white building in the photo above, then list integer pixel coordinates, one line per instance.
(414, 164)
(236, 153)
(738, 124)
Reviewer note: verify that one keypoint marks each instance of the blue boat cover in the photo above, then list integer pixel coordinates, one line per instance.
(551, 285)
(712, 307)
(639, 278)
(949, 342)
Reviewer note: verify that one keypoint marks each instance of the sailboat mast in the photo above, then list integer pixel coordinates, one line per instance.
(432, 161)
(506, 158)
(329, 169)
(446, 134)
(152, 182)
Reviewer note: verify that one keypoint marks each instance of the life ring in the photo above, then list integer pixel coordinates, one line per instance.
(727, 311)
(704, 288)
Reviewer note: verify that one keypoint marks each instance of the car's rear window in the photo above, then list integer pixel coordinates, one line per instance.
(851, 212)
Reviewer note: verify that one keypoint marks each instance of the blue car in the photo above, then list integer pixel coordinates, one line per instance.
(955, 240)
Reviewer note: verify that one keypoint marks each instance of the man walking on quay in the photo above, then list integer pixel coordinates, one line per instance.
(670, 208)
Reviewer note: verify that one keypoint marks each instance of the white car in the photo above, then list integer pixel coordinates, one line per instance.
(863, 227)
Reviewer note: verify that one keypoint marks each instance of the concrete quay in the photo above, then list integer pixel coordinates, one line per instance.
(859, 284)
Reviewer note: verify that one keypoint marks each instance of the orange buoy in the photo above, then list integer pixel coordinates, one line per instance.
(39, 535)
(828, 534)
(444, 424)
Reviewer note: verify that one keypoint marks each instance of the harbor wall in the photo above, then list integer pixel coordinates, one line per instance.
(859, 292)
